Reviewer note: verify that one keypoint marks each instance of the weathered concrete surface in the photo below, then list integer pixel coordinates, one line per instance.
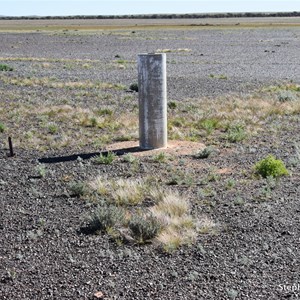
(152, 100)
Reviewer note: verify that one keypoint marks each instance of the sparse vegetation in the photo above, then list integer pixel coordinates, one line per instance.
(105, 158)
(52, 128)
(173, 50)
(209, 125)
(167, 221)
(121, 192)
(172, 105)
(5, 68)
(205, 152)
(284, 96)
(41, 170)
(221, 76)
(77, 189)
(236, 133)
(130, 158)
(123, 212)
(2, 127)
(161, 157)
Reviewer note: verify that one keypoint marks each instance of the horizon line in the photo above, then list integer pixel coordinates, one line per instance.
(154, 14)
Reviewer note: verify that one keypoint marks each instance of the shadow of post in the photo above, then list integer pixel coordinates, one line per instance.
(85, 156)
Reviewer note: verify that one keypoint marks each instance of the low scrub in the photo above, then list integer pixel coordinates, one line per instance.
(105, 159)
(120, 192)
(270, 166)
(205, 152)
(5, 68)
(144, 228)
(2, 127)
(236, 133)
(77, 189)
(106, 218)
(167, 222)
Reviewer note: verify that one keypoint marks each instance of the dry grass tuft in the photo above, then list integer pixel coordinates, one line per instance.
(172, 205)
(120, 192)
(179, 228)
(168, 221)
(173, 50)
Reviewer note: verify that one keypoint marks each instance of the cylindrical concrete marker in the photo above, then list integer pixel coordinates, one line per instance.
(152, 81)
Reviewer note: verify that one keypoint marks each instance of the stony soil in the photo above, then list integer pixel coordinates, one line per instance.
(253, 253)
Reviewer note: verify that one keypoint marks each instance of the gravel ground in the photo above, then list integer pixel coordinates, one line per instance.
(248, 57)
(253, 254)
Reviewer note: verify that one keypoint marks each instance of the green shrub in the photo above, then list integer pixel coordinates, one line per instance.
(41, 170)
(94, 122)
(105, 159)
(172, 105)
(160, 157)
(5, 68)
(144, 228)
(106, 218)
(209, 125)
(2, 127)
(205, 153)
(221, 76)
(270, 166)
(130, 158)
(286, 96)
(52, 128)
(134, 87)
(236, 133)
(77, 189)
(105, 112)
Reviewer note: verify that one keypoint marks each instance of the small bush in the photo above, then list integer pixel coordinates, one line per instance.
(106, 218)
(105, 159)
(41, 171)
(5, 68)
(172, 105)
(105, 112)
(270, 166)
(236, 133)
(221, 76)
(93, 121)
(161, 157)
(144, 228)
(2, 127)
(134, 87)
(77, 189)
(205, 153)
(129, 158)
(209, 125)
(52, 128)
(286, 96)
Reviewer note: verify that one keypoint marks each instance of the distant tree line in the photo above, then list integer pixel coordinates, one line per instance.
(160, 16)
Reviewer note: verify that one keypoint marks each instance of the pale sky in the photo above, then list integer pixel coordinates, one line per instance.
(123, 7)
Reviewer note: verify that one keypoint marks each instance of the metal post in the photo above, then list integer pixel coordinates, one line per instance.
(11, 149)
(152, 81)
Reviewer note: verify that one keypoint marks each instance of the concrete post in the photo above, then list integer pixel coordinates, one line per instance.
(152, 81)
